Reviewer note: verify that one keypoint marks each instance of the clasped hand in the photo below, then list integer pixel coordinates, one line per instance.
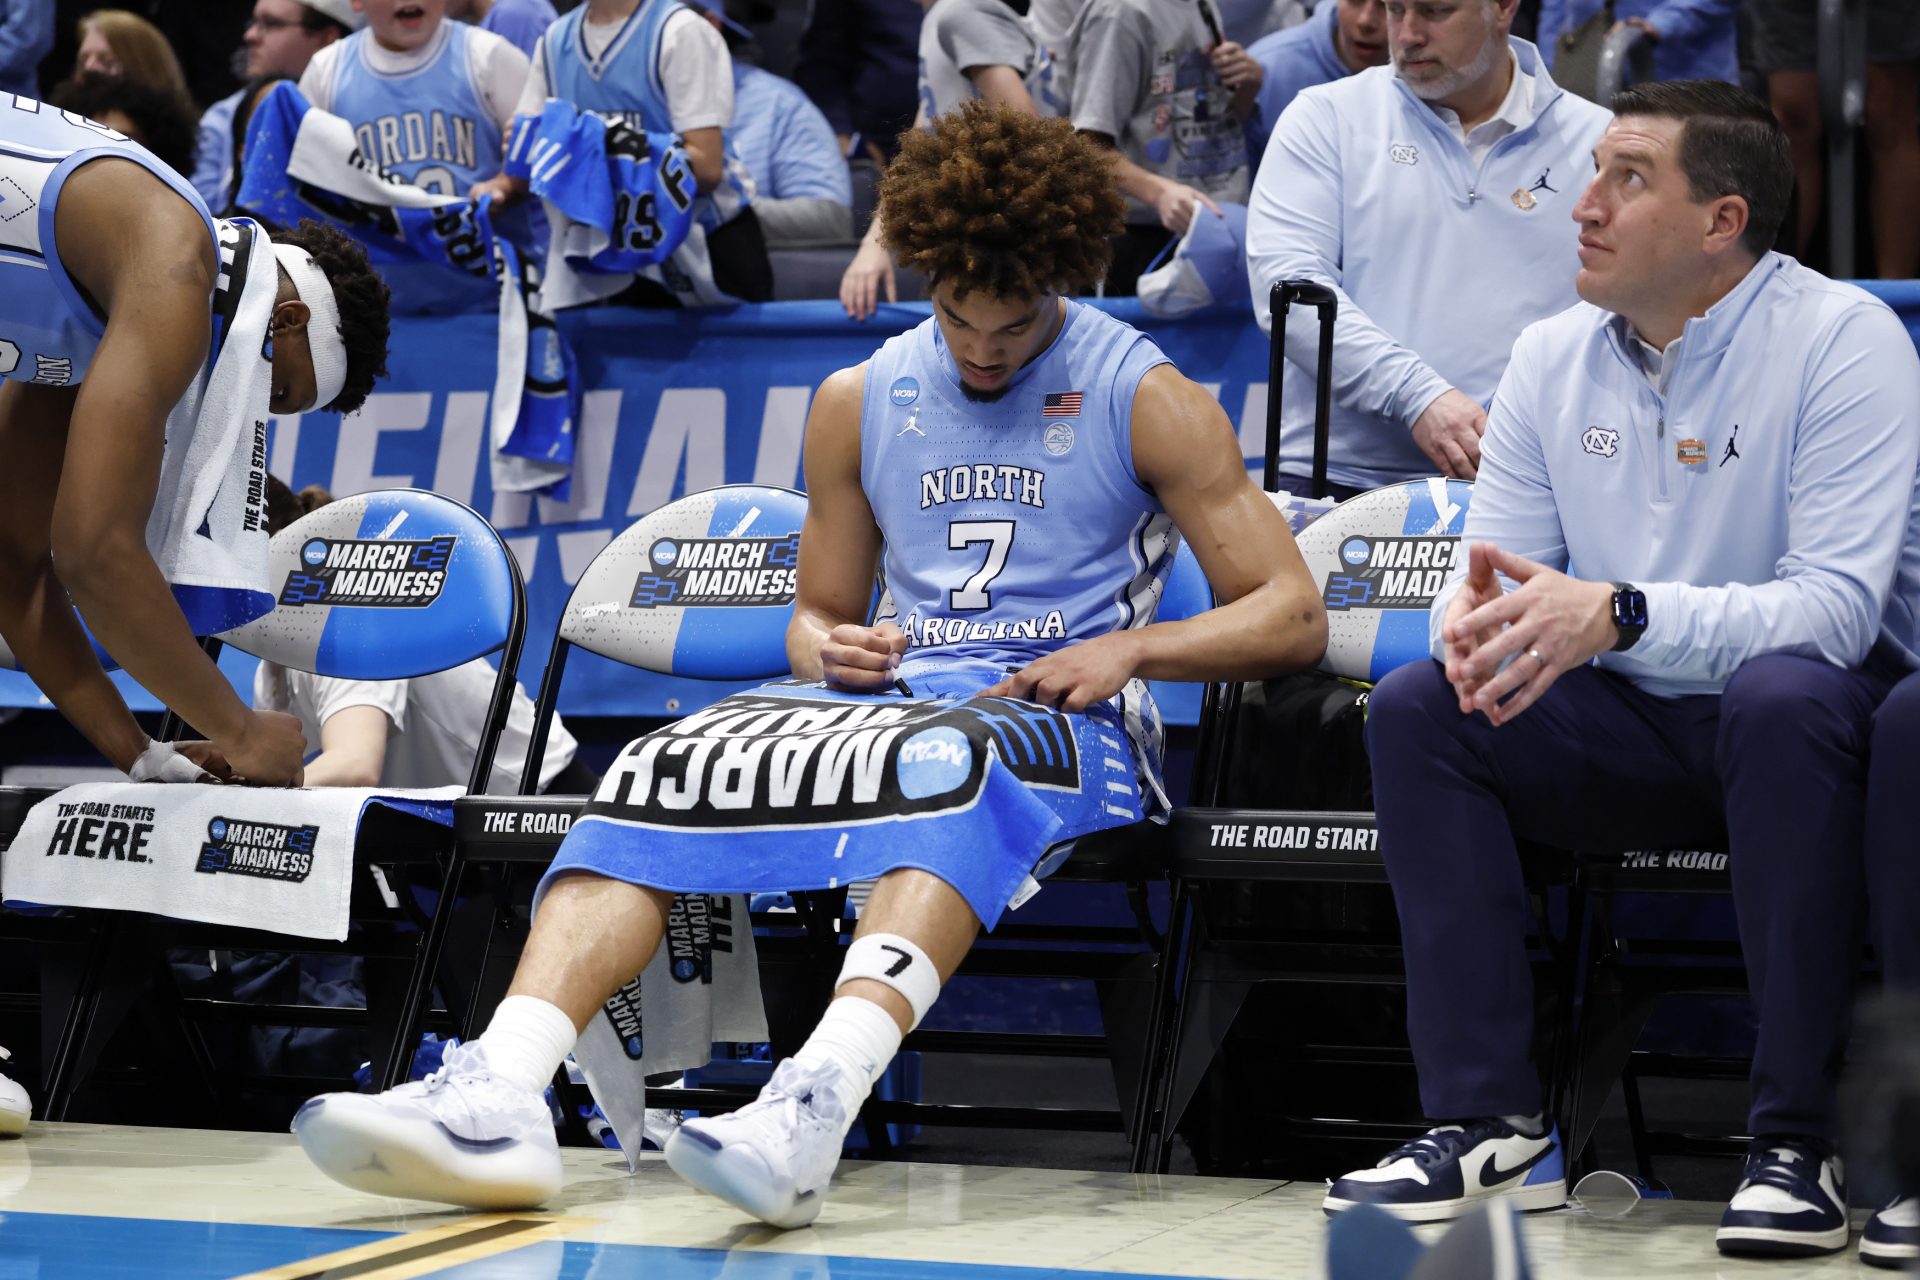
(1503, 650)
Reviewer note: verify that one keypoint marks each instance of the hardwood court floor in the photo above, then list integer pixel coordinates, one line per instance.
(83, 1201)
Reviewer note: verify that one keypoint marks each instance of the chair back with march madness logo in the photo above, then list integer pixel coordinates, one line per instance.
(389, 585)
(702, 587)
(1378, 559)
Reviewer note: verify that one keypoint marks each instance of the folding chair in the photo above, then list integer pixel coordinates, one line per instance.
(385, 585)
(1214, 953)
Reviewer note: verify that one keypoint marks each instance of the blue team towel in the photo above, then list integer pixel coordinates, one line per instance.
(304, 163)
(619, 199)
(796, 786)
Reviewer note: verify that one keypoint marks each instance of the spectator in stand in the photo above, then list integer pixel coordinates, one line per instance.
(802, 192)
(658, 60)
(151, 117)
(428, 99)
(114, 42)
(1449, 175)
(857, 60)
(1160, 84)
(522, 22)
(968, 49)
(280, 40)
(1343, 37)
(1692, 39)
(1785, 35)
(26, 33)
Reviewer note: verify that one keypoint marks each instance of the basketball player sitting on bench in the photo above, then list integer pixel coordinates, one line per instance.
(1015, 468)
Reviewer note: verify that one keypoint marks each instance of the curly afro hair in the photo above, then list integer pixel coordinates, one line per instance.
(1003, 202)
(363, 300)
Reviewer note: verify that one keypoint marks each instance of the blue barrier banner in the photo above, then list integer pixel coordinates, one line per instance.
(675, 402)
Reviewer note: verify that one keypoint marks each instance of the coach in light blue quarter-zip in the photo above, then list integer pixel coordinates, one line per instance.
(1432, 195)
(1691, 578)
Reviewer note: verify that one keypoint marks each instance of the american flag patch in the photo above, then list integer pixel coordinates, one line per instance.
(1061, 404)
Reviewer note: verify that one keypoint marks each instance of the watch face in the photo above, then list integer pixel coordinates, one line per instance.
(1630, 608)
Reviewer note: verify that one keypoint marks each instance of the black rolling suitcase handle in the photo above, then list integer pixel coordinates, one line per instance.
(1327, 303)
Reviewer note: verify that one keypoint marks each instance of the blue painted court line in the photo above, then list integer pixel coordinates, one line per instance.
(59, 1246)
(579, 1260)
(48, 1246)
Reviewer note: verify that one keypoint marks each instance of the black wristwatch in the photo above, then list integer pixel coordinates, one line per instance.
(1629, 614)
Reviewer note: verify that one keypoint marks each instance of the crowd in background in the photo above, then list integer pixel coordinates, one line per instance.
(797, 106)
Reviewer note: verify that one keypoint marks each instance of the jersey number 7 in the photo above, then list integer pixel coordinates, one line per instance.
(998, 537)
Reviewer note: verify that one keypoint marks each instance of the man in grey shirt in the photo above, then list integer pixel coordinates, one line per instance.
(1158, 81)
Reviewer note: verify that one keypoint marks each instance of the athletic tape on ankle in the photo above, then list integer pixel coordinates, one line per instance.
(894, 961)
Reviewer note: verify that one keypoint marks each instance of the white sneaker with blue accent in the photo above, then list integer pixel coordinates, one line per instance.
(461, 1136)
(773, 1157)
(1456, 1166)
(16, 1108)
(1791, 1202)
(1892, 1237)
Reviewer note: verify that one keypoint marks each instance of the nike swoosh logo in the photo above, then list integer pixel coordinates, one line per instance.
(1492, 1175)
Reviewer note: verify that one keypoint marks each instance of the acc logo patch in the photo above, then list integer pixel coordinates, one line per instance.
(1600, 442)
(392, 573)
(718, 571)
(903, 392)
(1404, 153)
(1059, 439)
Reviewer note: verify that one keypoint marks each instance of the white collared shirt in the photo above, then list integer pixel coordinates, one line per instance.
(1655, 363)
(1516, 110)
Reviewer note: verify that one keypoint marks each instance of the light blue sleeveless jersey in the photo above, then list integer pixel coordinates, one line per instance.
(1012, 527)
(625, 81)
(48, 329)
(430, 126)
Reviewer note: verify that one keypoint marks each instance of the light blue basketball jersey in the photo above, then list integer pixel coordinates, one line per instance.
(430, 126)
(1017, 526)
(48, 328)
(625, 81)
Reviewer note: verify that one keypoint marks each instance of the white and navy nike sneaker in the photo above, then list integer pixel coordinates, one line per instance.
(1792, 1202)
(16, 1108)
(461, 1136)
(773, 1157)
(1456, 1166)
(1892, 1237)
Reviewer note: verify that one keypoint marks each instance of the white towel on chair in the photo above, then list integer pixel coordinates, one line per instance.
(702, 986)
(257, 858)
(208, 529)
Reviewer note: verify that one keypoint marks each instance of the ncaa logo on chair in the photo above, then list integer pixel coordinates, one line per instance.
(314, 553)
(665, 552)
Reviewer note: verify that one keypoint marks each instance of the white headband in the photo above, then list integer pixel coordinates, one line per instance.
(328, 348)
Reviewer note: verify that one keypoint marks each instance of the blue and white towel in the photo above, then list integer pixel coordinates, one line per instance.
(304, 163)
(620, 201)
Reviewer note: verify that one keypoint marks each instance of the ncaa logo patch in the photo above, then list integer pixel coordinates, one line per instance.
(934, 762)
(903, 392)
(1058, 440)
(1600, 442)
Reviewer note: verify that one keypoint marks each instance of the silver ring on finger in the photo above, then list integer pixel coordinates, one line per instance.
(1535, 655)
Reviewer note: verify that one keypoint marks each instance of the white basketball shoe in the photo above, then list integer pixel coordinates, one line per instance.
(16, 1108)
(774, 1157)
(461, 1136)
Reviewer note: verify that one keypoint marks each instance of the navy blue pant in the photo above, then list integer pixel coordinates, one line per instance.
(1893, 835)
(1776, 767)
